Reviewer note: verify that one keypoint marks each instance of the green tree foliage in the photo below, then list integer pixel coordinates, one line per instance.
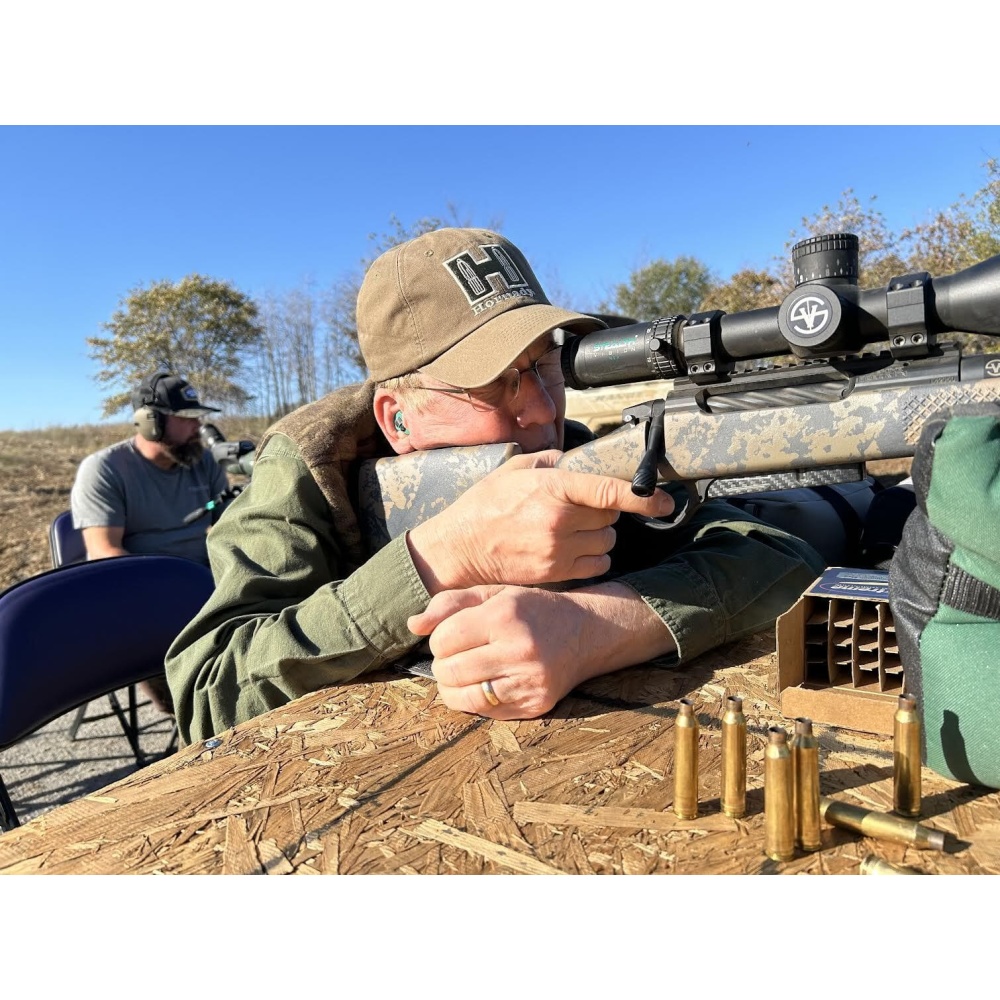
(745, 290)
(663, 288)
(957, 237)
(197, 328)
(962, 234)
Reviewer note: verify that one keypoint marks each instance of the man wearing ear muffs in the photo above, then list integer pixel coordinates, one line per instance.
(131, 498)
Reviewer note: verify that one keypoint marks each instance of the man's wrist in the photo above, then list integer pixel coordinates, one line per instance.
(421, 542)
(619, 629)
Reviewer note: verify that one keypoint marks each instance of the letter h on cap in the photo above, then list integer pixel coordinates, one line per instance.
(476, 278)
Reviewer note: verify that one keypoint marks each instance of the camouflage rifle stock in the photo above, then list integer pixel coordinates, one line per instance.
(723, 429)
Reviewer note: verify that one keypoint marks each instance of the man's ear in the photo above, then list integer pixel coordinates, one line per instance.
(387, 404)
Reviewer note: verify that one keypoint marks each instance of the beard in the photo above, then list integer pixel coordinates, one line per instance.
(185, 453)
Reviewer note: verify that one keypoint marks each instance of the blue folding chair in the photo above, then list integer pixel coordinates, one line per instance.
(86, 630)
(65, 541)
(67, 547)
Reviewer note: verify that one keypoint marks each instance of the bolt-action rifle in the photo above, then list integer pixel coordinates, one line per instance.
(734, 422)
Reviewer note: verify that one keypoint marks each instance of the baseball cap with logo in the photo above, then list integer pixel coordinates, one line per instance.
(171, 394)
(459, 304)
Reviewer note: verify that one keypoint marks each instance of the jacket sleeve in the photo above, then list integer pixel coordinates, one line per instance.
(723, 575)
(287, 616)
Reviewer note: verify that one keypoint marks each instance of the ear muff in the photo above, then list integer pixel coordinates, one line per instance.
(149, 423)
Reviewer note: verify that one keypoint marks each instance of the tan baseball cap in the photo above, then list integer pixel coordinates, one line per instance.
(459, 304)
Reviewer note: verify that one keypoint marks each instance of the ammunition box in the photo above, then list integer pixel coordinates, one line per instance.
(838, 658)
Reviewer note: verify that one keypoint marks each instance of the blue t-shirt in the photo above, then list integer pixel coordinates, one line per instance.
(118, 488)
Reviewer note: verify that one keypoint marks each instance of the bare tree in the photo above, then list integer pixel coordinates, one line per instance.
(299, 325)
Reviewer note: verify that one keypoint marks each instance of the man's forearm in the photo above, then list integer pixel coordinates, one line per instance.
(619, 629)
(105, 552)
(262, 639)
(734, 575)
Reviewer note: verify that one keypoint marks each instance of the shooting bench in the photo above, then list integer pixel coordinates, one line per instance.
(380, 777)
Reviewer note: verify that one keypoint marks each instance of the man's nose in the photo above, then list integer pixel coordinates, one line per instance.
(533, 403)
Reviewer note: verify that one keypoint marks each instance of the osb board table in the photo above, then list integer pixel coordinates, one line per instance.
(380, 777)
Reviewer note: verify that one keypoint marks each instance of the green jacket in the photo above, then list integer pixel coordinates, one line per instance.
(300, 603)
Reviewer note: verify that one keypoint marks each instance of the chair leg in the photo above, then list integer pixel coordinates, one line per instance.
(8, 818)
(80, 714)
(133, 710)
(131, 732)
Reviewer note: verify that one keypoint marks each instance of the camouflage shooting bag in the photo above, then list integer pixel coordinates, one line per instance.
(944, 592)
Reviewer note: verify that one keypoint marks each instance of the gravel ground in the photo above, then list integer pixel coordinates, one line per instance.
(48, 769)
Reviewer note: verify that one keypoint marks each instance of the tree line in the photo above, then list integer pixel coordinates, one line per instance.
(267, 356)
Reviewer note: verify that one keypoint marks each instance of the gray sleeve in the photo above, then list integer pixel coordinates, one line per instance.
(97, 499)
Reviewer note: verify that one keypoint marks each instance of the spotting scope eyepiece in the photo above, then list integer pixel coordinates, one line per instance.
(235, 457)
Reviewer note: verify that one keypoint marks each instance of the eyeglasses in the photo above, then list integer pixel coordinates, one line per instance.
(547, 369)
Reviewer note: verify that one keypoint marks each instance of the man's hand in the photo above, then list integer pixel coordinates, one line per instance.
(533, 646)
(527, 523)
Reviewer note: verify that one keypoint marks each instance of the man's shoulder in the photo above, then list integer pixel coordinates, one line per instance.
(347, 399)
(115, 455)
(330, 428)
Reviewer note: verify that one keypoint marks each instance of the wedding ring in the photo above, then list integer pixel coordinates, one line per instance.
(491, 695)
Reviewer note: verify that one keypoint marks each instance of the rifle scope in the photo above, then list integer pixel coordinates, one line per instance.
(826, 315)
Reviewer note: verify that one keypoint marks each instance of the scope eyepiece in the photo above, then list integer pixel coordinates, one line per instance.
(634, 353)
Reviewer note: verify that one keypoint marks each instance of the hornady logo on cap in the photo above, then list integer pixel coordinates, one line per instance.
(478, 279)
(189, 393)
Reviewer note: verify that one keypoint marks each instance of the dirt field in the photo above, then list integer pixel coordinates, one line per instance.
(37, 469)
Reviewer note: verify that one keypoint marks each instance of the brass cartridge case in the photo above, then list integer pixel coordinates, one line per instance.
(872, 864)
(779, 814)
(906, 792)
(686, 762)
(734, 759)
(804, 748)
(882, 826)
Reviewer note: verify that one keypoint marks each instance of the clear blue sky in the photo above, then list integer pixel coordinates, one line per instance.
(88, 213)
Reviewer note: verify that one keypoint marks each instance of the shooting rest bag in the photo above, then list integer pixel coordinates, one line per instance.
(944, 593)
(832, 519)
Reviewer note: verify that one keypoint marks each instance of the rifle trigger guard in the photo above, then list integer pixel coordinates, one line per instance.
(695, 495)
